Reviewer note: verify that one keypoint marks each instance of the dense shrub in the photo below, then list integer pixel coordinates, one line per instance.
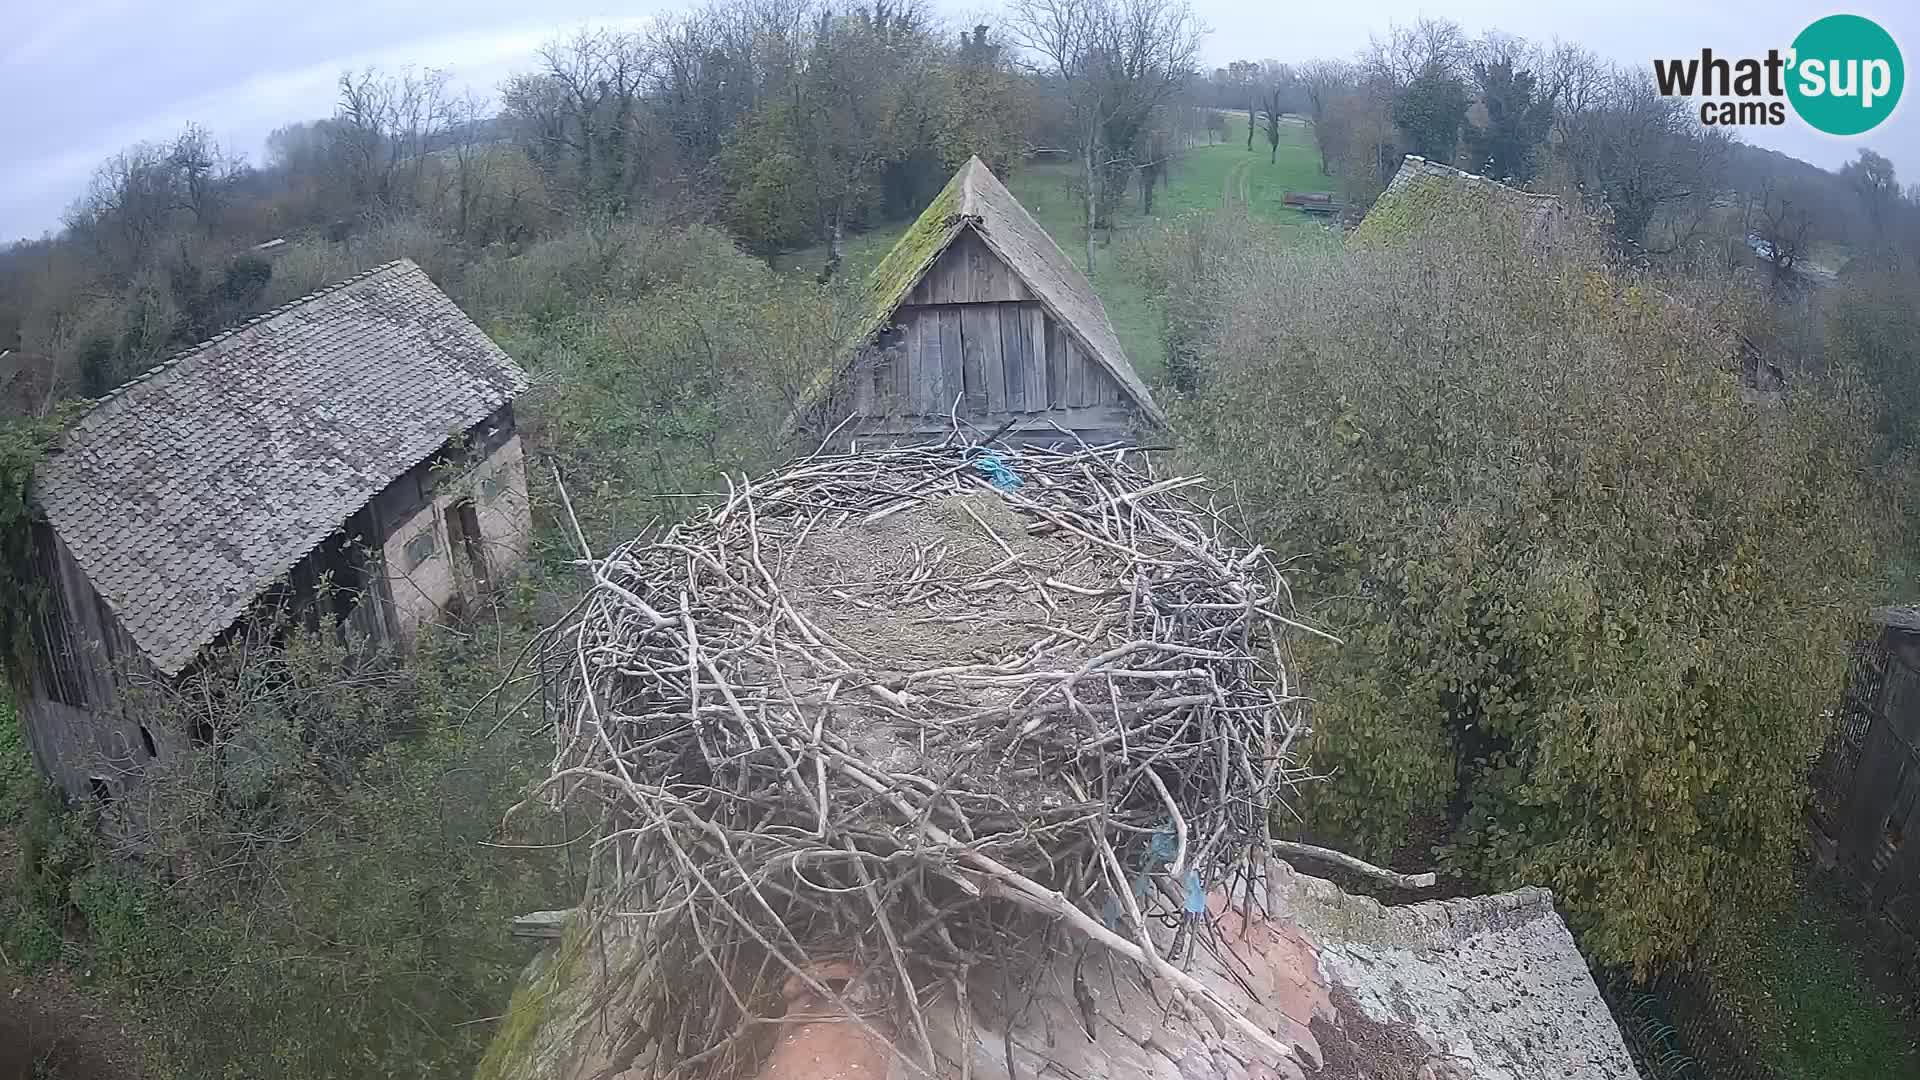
(316, 262)
(305, 893)
(1593, 598)
(310, 892)
(661, 358)
(1873, 333)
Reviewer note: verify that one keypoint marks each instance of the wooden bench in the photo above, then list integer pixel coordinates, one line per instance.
(1313, 202)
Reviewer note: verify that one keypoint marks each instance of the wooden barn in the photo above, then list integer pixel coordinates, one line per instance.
(360, 439)
(979, 317)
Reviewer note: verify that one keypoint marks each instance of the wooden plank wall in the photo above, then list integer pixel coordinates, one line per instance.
(71, 706)
(972, 337)
(968, 273)
(1000, 359)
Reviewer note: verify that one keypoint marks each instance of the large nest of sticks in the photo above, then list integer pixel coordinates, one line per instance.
(875, 721)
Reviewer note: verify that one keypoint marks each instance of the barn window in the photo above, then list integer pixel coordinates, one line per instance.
(146, 741)
(419, 549)
(489, 488)
(101, 789)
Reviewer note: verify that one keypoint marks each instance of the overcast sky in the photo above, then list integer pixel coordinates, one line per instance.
(80, 79)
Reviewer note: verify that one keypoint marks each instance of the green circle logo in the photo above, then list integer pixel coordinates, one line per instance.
(1846, 75)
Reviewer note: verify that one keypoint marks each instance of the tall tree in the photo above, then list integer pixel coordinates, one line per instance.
(1118, 63)
(1272, 103)
(982, 101)
(863, 74)
(1431, 110)
(385, 124)
(1518, 116)
(1323, 81)
(1643, 154)
(584, 116)
(1872, 179)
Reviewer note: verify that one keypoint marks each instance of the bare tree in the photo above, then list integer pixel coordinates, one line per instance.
(203, 172)
(583, 116)
(1272, 101)
(385, 125)
(1409, 51)
(1644, 155)
(1324, 81)
(474, 163)
(1118, 62)
(1872, 178)
(1784, 229)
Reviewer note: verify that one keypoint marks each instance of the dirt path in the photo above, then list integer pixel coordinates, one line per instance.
(50, 1031)
(1233, 192)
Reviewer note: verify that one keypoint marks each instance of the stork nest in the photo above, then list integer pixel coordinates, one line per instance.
(871, 721)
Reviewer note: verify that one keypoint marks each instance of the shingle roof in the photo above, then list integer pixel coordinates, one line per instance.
(1487, 987)
(1426, 192)
(186, 493)
(976, 199)
(1494, 984)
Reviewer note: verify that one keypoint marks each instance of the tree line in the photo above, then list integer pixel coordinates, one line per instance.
(789, 122)
(1557, 117)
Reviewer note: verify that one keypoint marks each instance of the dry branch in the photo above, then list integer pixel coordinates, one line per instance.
(1358, 866)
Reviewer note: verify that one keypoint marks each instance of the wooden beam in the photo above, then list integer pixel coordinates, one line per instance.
(1036, 372)
(981, 330)
(1056, 365)
(1015, 354)
(954, 351)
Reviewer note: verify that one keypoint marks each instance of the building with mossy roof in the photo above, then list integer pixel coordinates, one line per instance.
(977, 318)
(1427, 197)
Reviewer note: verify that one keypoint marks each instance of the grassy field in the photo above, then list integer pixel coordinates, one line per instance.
(1798, 983)
(1204, 179)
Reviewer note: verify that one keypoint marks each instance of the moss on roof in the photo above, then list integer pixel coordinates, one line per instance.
(913, 253)
(1408, 208)
(1425, 194)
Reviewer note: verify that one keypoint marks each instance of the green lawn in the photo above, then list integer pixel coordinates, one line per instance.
(1797, 984)
(1203, 179)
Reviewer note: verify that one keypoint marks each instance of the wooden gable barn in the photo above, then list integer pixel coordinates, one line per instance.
(977, 315)
(361, 438)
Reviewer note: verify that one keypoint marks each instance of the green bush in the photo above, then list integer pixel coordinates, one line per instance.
(285, 900)
(686, 359)
(309, 892)
(19, 780)
(334, 910)
(1594, 599)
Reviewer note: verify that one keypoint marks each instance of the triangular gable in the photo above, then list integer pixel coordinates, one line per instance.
(975, 200)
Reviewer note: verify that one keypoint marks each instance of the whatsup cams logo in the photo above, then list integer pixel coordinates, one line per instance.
(1842, 75)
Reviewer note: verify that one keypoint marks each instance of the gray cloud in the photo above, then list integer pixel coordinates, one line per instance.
(84, 78)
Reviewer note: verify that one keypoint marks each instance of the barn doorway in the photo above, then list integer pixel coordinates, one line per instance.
(463, 535)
